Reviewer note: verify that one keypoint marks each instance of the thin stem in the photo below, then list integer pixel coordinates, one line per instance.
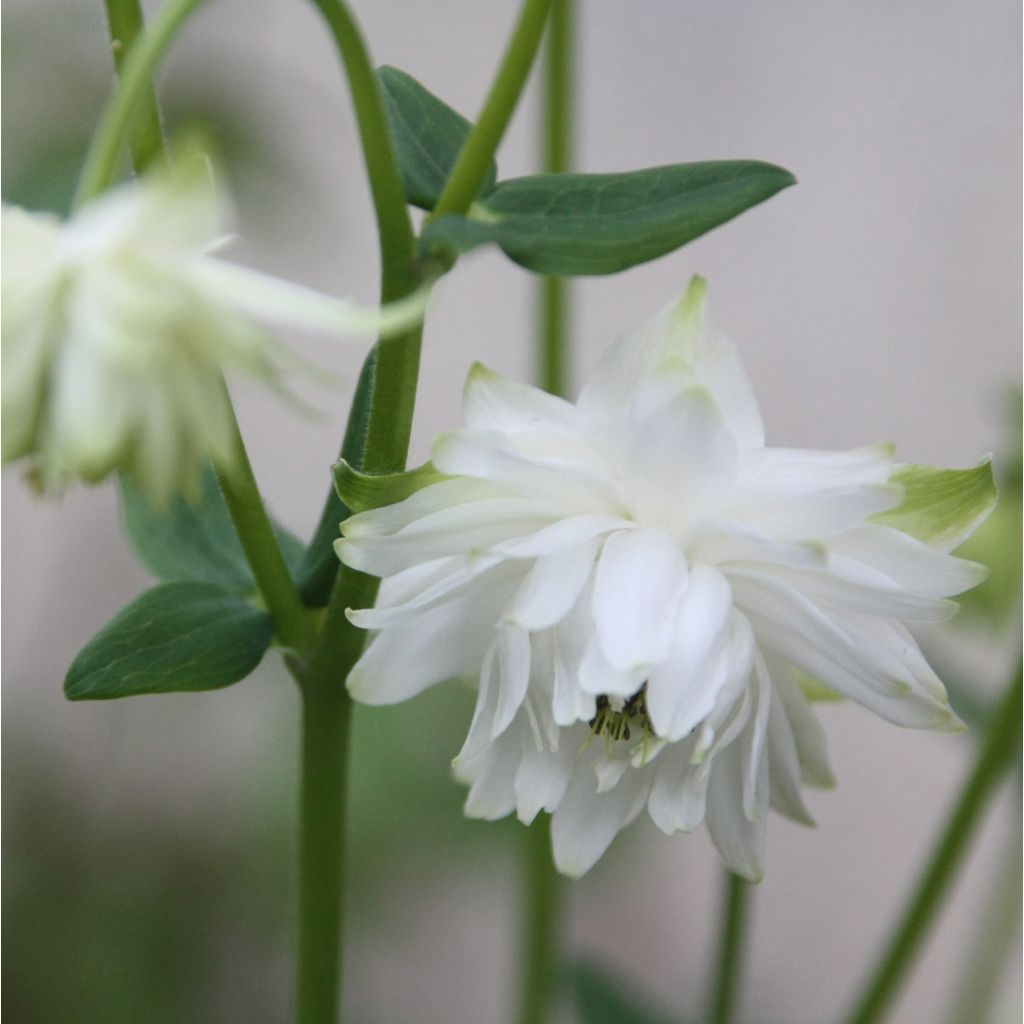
(552, 357)
(539, 953)
(478, 150)
(326, 720)
(137, 72)
(730, 951)
(541, 904)
(394, 227)
(995, 757)
(146, 139)
(275, 584)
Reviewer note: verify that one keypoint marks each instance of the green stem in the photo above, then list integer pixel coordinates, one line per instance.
(276, 587)
(730, 951)
(478, 150)
(995, 757)
(326, 720)
(539, 953)
(146, 140)
(556, 158)
(140, 64)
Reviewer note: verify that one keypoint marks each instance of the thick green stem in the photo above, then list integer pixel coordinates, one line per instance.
(136, 84)
(478, 150)
(326, 720)
(252, 525)
(996, 756)
(146, 138)
(725, 993)
(539, 953)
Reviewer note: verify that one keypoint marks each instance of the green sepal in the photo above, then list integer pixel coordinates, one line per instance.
(941, 507)
(364, 491)
(428, 137)
(602, 999)
(176, 637)
(194, 540)
(585, 224)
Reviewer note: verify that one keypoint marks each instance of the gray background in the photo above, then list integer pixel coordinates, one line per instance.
(877, 300)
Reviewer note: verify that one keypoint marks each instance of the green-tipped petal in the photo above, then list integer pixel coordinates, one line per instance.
(364, 491)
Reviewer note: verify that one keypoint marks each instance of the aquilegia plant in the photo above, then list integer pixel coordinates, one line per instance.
(647, 597)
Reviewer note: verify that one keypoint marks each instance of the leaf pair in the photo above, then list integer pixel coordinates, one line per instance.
(564, 224)
(198, 630)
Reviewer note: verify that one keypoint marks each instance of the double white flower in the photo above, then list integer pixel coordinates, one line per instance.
(118, 327)
(645, 590)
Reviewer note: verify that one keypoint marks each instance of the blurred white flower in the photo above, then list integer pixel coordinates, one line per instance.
(645, 590)
(118, 327)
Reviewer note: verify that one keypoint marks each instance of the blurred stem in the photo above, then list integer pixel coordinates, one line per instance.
(997, 926)
(276, 587)
(140, 64)
(557, 157)
(730, 950)
(539, 953)
(479, 148)
(146, 138)
(997, 754)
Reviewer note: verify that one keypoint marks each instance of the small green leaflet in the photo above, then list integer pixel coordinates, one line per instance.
(363, 491)
(941, 507)
(194, 541)
(428, 136)
(586, 224)
(175, 637)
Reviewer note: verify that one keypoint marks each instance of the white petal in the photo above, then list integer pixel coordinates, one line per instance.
(513, 663)
(598, 677)
(908, 561)
(784, 764)
(678, 459)
(564, 533)
(807, 733)
(682, 690)
(679, 793)
(381, 522)
(552, 586)
(445, 641)
(753, 746)
(640, 577)
(540, 783)
(585, 822)
(492, 402)
(739, 840)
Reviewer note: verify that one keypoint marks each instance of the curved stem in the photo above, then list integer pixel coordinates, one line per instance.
(995, 757)
(539, 953)
(479, 148)
(730, 954)
(146, 139)
(276, 587)
(140, 64)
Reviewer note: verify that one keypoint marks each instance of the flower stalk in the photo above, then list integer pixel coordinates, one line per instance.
(994, 759)
(725, 993)
(146, 139)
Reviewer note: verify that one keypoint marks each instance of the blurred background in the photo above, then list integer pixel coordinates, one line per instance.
(149, 842)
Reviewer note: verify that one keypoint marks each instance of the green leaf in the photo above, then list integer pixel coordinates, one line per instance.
(194, 541)
(603, 223)
(363, 491)
(175, 637)
(602, 1000)
(941, 507)
(428, 136)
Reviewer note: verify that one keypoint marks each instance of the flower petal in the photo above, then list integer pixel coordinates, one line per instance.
(551, 586)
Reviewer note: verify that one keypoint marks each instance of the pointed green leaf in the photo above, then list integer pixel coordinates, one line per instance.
(428, 136)
(363, 491)
(194, 541)
(601, 999)
(175, 637)
(602, 223)
(941, 507)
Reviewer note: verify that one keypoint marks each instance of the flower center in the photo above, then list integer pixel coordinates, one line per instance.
(614, 720)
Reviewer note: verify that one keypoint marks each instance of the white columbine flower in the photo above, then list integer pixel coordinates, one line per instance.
(118, 327)
(646, 593)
